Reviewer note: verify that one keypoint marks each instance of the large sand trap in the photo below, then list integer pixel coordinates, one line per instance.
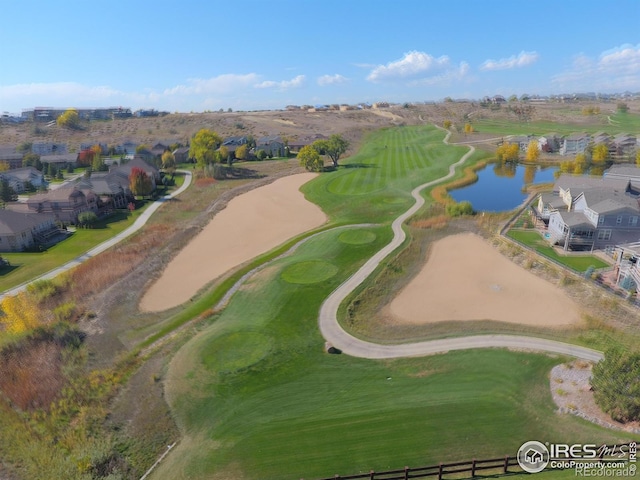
(466, 279)
(252, 223)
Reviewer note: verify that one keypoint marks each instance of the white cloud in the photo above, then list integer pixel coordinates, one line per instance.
(446, 78)
(217, 85)
(615, 69)
(336, 79)
(523, 59)
(295, 82)
(413, 64)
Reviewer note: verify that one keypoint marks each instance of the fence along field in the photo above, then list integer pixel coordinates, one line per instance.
(493, 465)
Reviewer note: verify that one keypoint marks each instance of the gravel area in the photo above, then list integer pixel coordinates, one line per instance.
(572, 394)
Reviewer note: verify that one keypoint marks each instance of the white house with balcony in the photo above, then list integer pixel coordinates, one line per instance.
(586, 213)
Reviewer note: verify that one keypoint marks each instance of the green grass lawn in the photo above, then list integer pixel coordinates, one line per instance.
(25, 266)
(375, 184)
(256, 392)
(621, 122)
(256, 397)
(579, 263)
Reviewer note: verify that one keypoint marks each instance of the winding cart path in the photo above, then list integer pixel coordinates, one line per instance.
(350, 345)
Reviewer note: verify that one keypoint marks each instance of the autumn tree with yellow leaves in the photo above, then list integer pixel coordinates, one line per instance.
(533, 152)
(508, 152)
(600, 153)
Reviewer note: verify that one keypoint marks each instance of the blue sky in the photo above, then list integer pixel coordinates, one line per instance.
(192, 55)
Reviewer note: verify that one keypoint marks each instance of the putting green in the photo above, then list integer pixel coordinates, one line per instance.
(236, 351)
(313, 271)
(357, 237)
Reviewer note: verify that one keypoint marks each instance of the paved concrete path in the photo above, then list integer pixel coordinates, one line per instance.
(137, 225)
(350, 345)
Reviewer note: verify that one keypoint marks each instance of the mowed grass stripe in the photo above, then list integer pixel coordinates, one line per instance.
(296, 412)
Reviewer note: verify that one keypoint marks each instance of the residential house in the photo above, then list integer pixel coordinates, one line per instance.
(124, 171)
(104, 148)
(297, 144)
(127, 147)
(601, 138)
(24, 231)
(595, 213)
(232, 143)
(48, 148)
(273, 145)
(64, 203)
(575, 143)
(549, 143)
(522, 141)
(112, 189)
(20, 178)
(625, 171)
(181, 155)
(162, 146)
(623, 145)
(627, 268)
(61, 161)
(9, 155)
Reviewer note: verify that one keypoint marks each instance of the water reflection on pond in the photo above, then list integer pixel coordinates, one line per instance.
(500, 186)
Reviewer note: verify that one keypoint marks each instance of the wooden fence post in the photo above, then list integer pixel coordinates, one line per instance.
(440, 471)
(473, 468)
(506, 464)
(406, 473)
(371, 474)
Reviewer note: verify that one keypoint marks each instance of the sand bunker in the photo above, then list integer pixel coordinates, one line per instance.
(467, 279)
(252, 223)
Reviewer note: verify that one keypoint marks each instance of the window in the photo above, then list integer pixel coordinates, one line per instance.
(604, 234)
(618, 219)
(601, 220)
(633, 220)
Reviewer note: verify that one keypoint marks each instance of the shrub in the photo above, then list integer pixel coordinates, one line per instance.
(86, 219)
(616, 384)
(42, 289)
(589, 272)
(65, 311)
(459, 209)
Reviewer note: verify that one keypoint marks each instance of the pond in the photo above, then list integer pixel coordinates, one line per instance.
(499, 187)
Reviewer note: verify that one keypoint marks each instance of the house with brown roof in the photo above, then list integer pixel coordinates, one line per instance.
(124, 171)
(24, 231)
(65, 204)
(111, 188)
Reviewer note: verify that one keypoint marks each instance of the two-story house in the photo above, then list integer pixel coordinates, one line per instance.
(592, 213)
(575, 143)
(64, 203)
(20, 178)
(272, 144)
(23, 231)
